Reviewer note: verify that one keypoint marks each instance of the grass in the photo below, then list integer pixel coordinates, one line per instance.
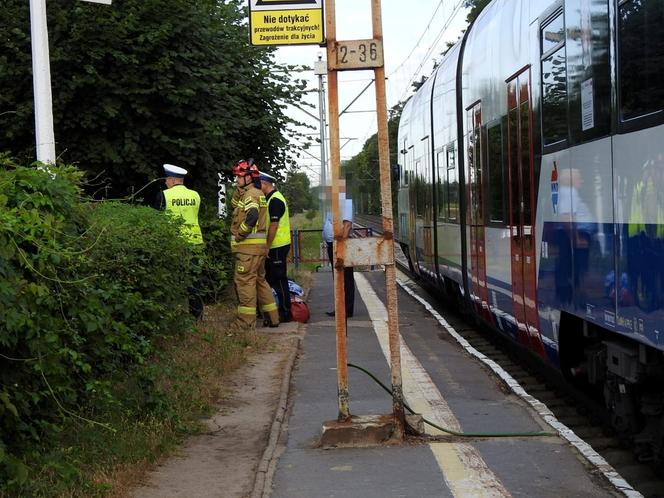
(309, 220)
(155, 408)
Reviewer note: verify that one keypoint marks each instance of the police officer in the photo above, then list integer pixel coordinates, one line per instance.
(185, 203)
(249, 246)
(278, 243)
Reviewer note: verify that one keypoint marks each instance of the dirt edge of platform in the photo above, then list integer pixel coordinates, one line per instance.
(236, 457)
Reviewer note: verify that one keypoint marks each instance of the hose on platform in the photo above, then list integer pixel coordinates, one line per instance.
(450, 431)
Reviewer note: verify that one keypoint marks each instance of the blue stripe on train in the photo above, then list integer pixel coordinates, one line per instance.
(616, 281)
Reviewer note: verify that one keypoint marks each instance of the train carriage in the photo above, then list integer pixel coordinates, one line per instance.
(532, 189)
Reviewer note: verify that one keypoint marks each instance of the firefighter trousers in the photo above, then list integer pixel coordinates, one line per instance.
(251, 288)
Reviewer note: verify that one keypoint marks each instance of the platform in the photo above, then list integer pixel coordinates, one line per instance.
(443, 383)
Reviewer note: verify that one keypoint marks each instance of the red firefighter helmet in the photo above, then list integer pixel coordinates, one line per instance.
(244, 168)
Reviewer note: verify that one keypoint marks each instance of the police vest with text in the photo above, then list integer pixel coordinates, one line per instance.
(283, 236)
(185, 203)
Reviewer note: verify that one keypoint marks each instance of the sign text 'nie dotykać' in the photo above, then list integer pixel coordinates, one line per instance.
(286, 22)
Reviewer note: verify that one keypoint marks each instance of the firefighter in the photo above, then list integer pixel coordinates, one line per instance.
(249, 247)
(179, 201)
(278, 243)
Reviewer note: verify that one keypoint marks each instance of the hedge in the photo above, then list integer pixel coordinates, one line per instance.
(85, 289)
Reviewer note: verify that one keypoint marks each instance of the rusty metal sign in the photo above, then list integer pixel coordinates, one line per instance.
(356, 54)
(368, 252)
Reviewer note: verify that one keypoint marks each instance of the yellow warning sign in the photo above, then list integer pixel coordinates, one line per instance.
(286, 22)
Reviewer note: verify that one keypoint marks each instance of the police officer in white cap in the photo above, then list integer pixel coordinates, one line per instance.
(179, 201)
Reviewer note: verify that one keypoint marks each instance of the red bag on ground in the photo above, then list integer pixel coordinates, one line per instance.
(299, 310)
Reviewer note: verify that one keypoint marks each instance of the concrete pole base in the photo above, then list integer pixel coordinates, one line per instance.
(366, 430)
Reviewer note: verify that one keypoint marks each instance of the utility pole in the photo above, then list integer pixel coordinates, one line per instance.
(320, 69)
(41, 79)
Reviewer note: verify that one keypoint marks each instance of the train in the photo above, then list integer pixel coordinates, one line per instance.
(531, 190)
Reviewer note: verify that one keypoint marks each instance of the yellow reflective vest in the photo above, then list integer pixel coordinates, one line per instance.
(246, 239)
(185, 203)
(283, 235)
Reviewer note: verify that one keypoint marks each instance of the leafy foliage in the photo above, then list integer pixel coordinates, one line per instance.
(362, 171)
(145, 82)
(476, 7)
(297, 191)
(84, 291)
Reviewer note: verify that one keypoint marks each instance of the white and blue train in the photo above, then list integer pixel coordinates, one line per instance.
(531, 188)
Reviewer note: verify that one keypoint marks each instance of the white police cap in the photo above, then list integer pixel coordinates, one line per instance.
(174, 171)
(264, 177)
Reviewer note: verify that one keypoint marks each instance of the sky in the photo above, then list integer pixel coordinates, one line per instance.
(414, 34)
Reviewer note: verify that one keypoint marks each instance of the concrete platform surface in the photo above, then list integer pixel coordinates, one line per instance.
(443, 383)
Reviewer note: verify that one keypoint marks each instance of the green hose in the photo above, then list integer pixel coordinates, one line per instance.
(449, 431)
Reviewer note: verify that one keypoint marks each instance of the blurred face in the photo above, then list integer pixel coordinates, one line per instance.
(266, 186)
(241, 181)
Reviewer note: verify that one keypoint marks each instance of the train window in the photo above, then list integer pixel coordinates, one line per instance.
(525, 162)
(441, 187)
(554, 81)
(641, 57)
(515, 207)
(452, 184)
(495, 173)
(553, 34)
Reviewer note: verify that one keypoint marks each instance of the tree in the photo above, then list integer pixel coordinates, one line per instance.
(146, 82)
(362, 171)
(476, 7)
(297, 190)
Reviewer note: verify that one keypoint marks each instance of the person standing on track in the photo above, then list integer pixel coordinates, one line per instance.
(278, 243)
(249, 247)
(184, 203)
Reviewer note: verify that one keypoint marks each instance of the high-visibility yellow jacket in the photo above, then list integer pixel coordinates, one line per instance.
(283, 235)
(185, 203)
(248, 239)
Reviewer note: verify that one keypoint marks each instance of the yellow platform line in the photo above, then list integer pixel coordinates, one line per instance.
(464, 470)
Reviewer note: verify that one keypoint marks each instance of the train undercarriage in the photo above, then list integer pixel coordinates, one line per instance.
(626, 375)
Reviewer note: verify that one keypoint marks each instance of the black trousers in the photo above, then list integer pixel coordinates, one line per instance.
(276, 274)
(349, 282)
(195, 292)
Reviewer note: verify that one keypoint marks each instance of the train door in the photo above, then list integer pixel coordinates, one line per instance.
(522, 210)
(479, 293)
(411, 183)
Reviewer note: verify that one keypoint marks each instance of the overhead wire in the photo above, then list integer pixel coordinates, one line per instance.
(427, 55)
(432, 47)
(417, 44)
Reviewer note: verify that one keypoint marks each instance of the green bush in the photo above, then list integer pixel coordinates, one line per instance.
(217, 263)
(84, 291)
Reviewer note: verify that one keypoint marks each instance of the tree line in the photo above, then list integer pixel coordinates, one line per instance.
(146, 82)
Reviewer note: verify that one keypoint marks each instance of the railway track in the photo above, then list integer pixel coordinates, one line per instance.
(574, 408)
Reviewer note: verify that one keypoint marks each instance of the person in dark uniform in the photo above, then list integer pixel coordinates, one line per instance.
(185, 203)
(278, 243)
(346, 212)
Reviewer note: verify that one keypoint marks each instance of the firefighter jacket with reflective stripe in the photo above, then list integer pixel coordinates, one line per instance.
(247, 239)
(185, 203)
(283, 235)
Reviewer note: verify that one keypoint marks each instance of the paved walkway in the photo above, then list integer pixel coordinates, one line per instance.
(442, 382)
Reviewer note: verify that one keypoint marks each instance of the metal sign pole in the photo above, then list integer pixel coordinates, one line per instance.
(388, 229)
(339, 246)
